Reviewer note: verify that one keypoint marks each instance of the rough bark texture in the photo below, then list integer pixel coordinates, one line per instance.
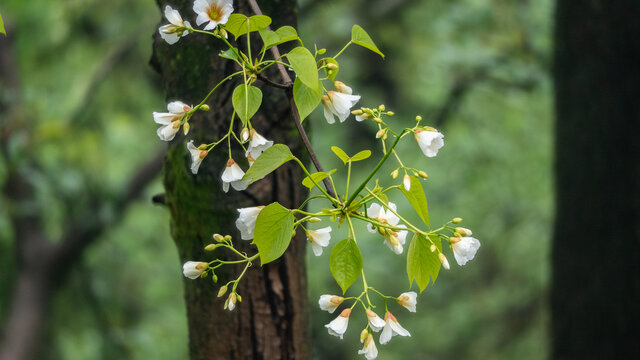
(596, 267)
(271, 321)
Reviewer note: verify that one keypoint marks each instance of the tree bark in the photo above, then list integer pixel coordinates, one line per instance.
(271, 320)
(596, 248)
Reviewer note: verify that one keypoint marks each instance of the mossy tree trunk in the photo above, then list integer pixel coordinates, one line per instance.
(596, 249)
(271, 321)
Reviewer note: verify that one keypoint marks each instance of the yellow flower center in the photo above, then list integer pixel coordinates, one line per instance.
(214, 12)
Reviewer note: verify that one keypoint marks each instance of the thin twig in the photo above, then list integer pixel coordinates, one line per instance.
(274, 50)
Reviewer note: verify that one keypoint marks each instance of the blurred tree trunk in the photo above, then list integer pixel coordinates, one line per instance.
(271, 321)
(596, 250)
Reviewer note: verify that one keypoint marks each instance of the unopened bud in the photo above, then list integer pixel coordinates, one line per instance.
(385, 136)
(390, 113)
(202, 147)
(464, 231)
(204, 107)
(406, 181)
(454, 239)
(227, 238)
(222, 291)
(380, 133)
(381, 108)
(332, 66)
(314, 220)
(185, 128)
(210, 247)
(239, 297)
(329, 72)
(432, 248)
(364, 334)
(357, 112)
(443, 261)
(218, 237)
(377, 119)
(203, 154)
(394, 174)
(244, 135)
(176, 124)
(214, 277)
(418, 118)
(456, 220)
(322, 51)
(423, 174)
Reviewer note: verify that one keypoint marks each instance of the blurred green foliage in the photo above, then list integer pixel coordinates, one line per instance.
(477, 70)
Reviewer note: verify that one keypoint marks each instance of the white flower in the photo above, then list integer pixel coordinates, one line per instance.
(214, 11)
(246, 222)
(378, 212)
(233, 174)
(338, 104)
(319, 239)
(170, 120)
(444, 261)
(197, 155)
(391, 329)
(338, 326)
(395, 239)
(193, 269)
(341, 87)
(375, 322)
(406, 182)
(408, 300)
(465, 249)
(430, 141)
(257, 144)
(330, 302)
(230, 303)
(369, 350)
(170, 32)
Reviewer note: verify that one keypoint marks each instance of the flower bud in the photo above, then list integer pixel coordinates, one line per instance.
(380, 133)
(390, 113)
(432, 248)
(314, 220)
(244, 135)
(464, 231)
(204, 107)
(322, 51)
(222, 291)
(381, 107)
(185, 128)
(423, 174)
(227, 238)
(456, 220)
(357, 112)
(210, 247)
(176, 124)
(394, 173)
(214, 277)
(377, 119)
(239, 297)
(218, 237)
(332, 66)
(329, 72)
(444, 261)
(418, 118)
(406, 181)
(454, 239)
(364, 334)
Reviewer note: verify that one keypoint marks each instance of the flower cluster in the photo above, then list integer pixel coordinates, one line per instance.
(268, 226)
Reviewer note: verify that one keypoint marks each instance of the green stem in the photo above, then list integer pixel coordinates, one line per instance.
(375, 170)
(343, 49)
(304, 169)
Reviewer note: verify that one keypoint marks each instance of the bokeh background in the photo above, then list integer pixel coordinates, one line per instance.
(478, 70)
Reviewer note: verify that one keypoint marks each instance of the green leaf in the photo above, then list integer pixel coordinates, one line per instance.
(422, 264)
(239, 24)
(268, 161)
(417, 199)
(345, 263)
(360, 37)
(282, 35)
(2, 30)
(246, 103)
(273, 232)
(269, 38)
(331, 74)
(304, 64)
(287, 33)
(306, 99)
(229, 54)
(362, 155)
(317, 177)
(340, 153)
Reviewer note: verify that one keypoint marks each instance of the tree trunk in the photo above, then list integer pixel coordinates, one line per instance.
(596, 249)
(271, 320)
